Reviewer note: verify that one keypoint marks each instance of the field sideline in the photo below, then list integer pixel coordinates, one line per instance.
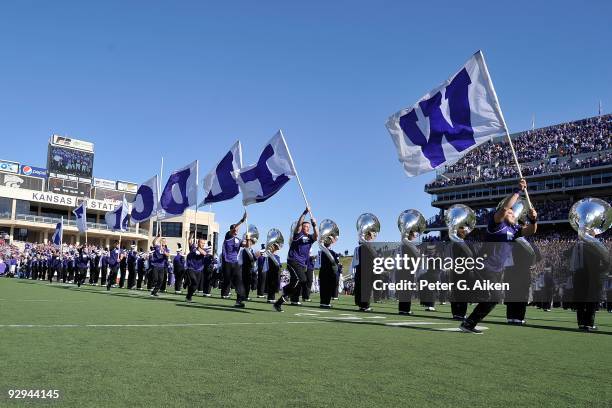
(125, 348)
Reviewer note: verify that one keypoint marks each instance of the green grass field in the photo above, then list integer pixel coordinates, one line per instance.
(126, 349)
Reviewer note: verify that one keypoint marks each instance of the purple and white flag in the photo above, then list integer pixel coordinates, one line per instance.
(58, 233)
(273, 170)
(117, 220)
(146, 201)
(220, 184)
(81, 217)
(449, 121)
(181, 190)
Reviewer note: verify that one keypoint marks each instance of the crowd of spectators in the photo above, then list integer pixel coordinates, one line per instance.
(552, 148)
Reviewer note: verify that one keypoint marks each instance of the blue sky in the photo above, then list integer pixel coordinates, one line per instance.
(142, 79)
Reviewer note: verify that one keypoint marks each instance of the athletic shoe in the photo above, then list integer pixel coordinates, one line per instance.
(469, 329)
(334, 298)
(271, 301)
(278, 307)
(178, 292)
(239, 305)
(296, 303)
(365, 309)
(206, 295)
(154, 294)
(260, 296)
(322, 306)
(307, 300)
(547, 310)
(430, 309)
(588, 328)
(404, 313)
(225, 297)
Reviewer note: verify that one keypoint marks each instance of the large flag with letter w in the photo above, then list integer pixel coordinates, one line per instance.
(81, 217)
(181, 190)
(117, 220)
(144, 205)
(220, 184)
(449, 121)
(273, 170)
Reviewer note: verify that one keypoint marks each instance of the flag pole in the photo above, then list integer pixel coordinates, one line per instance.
(297, 175)
(480, 56)
(195, 231)
(161, 175)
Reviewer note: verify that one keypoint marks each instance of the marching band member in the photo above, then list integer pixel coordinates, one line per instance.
(272, 271)
(246, 259)
(82, 262)
(261, 275)
(231, 269)
(159, 260)
(114, 258)
(132, 259)
(178, 264)
(195, 265)
(297, 258)
(502, 229)
(328, 270)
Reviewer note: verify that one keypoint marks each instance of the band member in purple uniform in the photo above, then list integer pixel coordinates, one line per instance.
(297, 259)
(114, 258)
(159, 259)
(196, 263)
(502, 229)
(232, 273)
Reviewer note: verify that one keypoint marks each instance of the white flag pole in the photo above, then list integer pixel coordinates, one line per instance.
(161, 175)
(85, 220)
(195, 231)
(297, 176)
(480, 56)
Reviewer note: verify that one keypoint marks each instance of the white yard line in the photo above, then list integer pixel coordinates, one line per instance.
(18, 326)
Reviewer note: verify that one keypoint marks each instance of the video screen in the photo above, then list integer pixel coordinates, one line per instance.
(69, 161)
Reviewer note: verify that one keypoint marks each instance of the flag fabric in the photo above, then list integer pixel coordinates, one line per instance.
(449, 121)
(59, 231)
(81, 217)
(145, 202)
(181, 190)
(220, 184)
(117, 220)
(273, 170)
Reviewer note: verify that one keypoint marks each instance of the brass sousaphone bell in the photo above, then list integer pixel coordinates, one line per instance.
(410, 221)
(328, 232)
(274, 240)
(368, 227)
(252, 232)
(590, 217)
(457, 216)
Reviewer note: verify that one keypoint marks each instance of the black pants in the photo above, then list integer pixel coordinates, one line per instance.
(122, 270)
(482, 309)
(232, 274)
(178, 279)
(103, 273)
(93, 275)
(206, 282)
(272, 284)
(193, 279)
(157, 278)
(81, 275)
(337, 285)
(131, 276)
(297, 277)
(246, 281)
(305, 287)
(261, 282)
(112, 276)
(516, 310)
(585, 313)
(51, 274)
(459, 309)
(141, 274)
(404, 306)
(327, 281)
